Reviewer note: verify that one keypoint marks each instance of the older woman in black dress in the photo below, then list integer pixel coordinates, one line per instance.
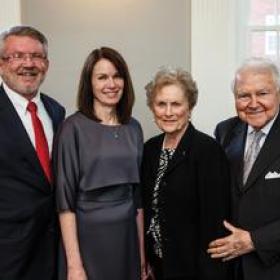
(97, 160)
(185, 184)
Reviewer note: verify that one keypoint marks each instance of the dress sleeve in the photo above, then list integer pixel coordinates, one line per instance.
(66, 167)
(140, 143)
(137, 187)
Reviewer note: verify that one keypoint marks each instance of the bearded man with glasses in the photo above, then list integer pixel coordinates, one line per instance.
(28, 121)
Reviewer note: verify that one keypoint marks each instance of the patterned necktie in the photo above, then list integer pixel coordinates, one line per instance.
(41, 143)
(252, 154)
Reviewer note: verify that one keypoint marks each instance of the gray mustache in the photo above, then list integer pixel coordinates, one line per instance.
(31, 72)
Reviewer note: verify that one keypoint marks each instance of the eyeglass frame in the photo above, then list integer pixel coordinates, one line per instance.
(21, 57)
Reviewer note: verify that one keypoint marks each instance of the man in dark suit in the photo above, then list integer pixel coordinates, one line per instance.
(254, 239)
(28, 121)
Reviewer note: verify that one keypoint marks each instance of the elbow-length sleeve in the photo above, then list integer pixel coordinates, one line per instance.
(140, 144)
(66, 167)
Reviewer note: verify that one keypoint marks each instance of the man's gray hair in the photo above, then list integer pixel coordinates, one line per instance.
(258, 65)
(22, 30)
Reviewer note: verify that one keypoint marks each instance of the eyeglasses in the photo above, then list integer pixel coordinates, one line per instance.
(22, 57)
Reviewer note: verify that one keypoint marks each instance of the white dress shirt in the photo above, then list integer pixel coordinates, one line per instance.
(265, 130)
(20, 104)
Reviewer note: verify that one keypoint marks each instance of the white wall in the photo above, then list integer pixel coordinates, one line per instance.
(214, 58)
(9, 14)
(149, 33)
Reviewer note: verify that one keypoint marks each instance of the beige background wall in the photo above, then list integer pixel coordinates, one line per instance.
(10, 14)
(214, 58)
(148, 33)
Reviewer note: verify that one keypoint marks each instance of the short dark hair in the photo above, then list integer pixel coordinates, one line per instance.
(23, 30)
(85, 100)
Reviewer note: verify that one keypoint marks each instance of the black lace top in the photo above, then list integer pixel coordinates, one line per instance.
(154, 228)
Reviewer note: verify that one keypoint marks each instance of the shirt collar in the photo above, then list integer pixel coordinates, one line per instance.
(266, 128)
(18, 100)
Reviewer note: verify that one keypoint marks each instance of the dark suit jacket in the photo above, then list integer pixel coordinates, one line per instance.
(194, 201)
(256, 206)
(27, 212)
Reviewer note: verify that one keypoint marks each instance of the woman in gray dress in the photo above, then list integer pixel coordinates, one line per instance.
(96, 161)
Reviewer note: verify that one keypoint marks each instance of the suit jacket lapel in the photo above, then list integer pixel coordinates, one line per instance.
(182, 149)
(50, 109)
(15, 129)
(235, 152)
(156, 154)
(267, 154)
(10, 119)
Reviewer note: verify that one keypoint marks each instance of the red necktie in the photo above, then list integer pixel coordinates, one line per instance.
(41, 143)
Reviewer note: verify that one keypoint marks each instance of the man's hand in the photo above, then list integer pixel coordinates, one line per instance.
(238, 243)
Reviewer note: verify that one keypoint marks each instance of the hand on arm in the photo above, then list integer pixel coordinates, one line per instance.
(75, 269)
(238, 243)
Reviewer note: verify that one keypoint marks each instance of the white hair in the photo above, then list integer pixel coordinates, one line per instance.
(258, 65)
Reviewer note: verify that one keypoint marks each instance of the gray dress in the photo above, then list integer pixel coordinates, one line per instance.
(97, 176)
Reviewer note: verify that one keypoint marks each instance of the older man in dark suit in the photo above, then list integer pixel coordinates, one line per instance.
(28, 121)
(252, 144)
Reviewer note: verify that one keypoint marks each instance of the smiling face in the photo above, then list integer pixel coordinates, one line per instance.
(171, 109)
(256, 98)
(25, 75)
(107, 84)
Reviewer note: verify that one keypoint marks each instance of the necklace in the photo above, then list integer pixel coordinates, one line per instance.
(116, 132)
(113, 128)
